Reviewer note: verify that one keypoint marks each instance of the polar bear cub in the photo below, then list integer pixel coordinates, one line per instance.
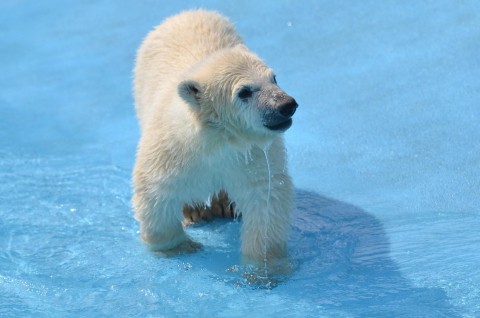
(212, 118)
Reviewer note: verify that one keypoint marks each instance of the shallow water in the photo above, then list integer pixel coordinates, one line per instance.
(72, 248)
(383, 151)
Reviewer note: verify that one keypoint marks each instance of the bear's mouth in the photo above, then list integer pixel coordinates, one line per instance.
(281, 126)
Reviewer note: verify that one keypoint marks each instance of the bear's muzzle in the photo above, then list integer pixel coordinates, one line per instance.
(278, 112)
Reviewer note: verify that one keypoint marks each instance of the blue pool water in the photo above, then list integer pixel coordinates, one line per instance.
(384, 153)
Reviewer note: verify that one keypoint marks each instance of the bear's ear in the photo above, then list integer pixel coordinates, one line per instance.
(190, 91)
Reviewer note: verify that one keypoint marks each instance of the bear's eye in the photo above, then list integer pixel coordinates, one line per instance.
(245, 92)
(274, 79)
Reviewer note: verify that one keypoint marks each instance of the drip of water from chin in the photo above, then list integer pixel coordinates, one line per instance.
(266, 215)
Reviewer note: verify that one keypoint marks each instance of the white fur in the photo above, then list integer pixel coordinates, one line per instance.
(193, 147)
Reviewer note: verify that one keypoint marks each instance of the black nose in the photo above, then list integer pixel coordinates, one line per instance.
(288, 108)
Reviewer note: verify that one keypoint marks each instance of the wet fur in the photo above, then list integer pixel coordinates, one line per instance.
(198, 138)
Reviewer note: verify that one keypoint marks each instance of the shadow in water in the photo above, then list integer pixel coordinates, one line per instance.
(343, 261)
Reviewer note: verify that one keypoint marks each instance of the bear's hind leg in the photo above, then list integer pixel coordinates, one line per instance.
(219, 207)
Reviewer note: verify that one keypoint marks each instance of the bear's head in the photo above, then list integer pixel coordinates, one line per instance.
(235, 92)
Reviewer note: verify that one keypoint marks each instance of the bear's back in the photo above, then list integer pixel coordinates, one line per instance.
(174, 46)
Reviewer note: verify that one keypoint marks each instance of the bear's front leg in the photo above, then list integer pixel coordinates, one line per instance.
(161, 227)
(263, 195)
(266, 216)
